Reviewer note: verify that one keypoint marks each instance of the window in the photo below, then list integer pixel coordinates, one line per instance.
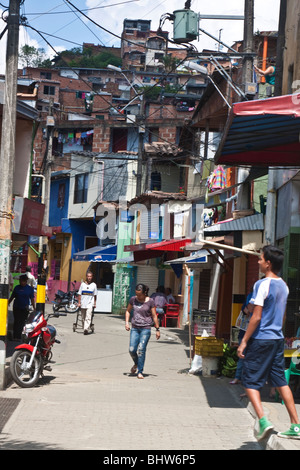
(49, 90)
(119, 139)
(155, 181)
(153, 134)
(81, 188)
(46, 75)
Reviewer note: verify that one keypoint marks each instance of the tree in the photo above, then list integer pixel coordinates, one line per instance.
(30, 56)
(87, 57)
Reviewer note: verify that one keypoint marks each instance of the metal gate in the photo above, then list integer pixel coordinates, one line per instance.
(148, 275)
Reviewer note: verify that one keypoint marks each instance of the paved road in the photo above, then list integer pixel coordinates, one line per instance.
(90, 402)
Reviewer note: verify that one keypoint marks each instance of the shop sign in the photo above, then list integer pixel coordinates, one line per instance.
(28, 216)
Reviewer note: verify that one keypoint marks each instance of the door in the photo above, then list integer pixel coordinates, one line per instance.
(148, 275)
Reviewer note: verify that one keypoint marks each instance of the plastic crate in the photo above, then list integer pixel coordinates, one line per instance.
(198, 328)
(203, 320)
(208, 346)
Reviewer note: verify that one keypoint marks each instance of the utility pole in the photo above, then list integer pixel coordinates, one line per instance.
(43, 241)
(270, 220)
(7, 162)
(248, 42)
(141, 132)
(280, 48)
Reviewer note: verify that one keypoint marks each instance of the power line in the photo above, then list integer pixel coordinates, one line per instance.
(84, 9)
(141, 94)
(84, 24)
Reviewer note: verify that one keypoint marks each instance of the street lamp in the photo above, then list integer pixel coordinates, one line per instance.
(194, 66)
(119, 70)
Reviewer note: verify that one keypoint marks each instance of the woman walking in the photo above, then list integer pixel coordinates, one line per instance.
(143, 316)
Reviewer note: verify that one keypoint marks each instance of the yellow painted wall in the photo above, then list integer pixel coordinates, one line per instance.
(236, 308)
(65, 257)
(32, 256)
(79, 269)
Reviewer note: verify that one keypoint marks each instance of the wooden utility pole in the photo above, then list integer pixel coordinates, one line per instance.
(280, 48)
(7, 161)
(43, 242)
(141, 133)
(248, 42)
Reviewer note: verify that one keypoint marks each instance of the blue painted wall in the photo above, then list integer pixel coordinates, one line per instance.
(79, 229)
(59, 201)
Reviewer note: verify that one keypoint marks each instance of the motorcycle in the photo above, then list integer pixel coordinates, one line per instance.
(31, 358)
(66, 300)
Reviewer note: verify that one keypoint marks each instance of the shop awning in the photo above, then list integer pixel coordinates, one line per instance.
(252, 222)
(197, 257)
(97, 254)
(154, 250)
(126, 260)
(262, 133)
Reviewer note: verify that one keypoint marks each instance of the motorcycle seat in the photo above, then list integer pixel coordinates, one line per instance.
(60, 293)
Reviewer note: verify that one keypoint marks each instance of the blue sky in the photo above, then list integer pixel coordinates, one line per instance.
(70, 29)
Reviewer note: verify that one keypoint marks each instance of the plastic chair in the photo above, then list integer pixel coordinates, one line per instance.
(172, 311)
(295, 359)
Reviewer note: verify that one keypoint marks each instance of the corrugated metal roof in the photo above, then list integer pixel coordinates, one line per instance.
(262, 133)
(252, 222)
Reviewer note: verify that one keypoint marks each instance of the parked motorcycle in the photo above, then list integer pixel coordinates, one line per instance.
(32, 357)
(66, 300)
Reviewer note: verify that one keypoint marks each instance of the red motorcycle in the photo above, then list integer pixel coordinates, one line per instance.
(32, 357)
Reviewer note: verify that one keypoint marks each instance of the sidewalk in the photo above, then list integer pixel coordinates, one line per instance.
(90, 397)
(277, 415)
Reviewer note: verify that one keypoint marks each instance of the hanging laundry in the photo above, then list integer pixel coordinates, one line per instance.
(217, 180)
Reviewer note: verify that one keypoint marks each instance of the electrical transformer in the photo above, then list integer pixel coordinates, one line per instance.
(186, 26)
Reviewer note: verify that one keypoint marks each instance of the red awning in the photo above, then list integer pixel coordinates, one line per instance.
(169, 245)
(262, 133)
(154, 250)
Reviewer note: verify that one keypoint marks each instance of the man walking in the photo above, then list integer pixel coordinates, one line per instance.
(87, 296)
(262, 346)
(22, 294)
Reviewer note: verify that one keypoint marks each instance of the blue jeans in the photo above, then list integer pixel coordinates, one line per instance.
(139, 338)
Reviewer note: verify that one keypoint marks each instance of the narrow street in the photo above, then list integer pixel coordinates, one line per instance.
(90, 402)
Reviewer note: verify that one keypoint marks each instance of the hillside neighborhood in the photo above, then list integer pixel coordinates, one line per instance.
(168, 167)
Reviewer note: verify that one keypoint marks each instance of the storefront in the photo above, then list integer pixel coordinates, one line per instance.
(100, 260)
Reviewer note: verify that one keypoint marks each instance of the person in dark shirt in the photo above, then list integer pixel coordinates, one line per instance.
(23, 295)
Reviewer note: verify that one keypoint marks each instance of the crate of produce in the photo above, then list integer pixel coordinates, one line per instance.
(208, 346)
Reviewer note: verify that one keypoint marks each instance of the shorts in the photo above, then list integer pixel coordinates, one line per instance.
(264, 362)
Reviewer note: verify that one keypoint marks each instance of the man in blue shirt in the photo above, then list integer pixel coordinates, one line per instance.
(262, 346)
(23, 295)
